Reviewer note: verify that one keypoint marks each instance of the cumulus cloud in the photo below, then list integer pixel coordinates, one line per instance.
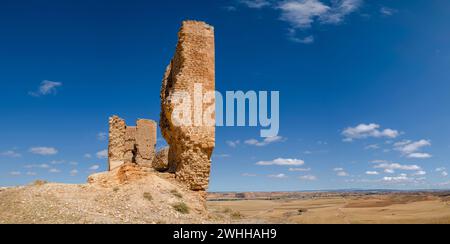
(420, 155)
(442, 171)
(390, 168)
(302, 14)
(73, 172)
(265, 142)
(278, 176)
(363, 131)
(341, 172)
(46, 88)
(102, 136)
(399, 178)
(54, 171)
(255, 3)
(11, 154)
(387, 11)
(308, 178)
(411, 149)
(15, 173)
(44, 151)
(282, 162)
(372, 147)
(372, 173)
(233, 143)
(87, 155)
(304, 40)
(94, 167)
(299, 169)
(102, 154)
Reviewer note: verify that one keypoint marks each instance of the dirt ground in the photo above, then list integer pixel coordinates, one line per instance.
(373, 209)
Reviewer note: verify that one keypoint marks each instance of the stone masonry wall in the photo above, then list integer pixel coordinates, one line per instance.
(131, 144)
(191, 147)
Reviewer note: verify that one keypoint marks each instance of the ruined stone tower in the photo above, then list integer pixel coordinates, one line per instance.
(131, 144)
(191, 146)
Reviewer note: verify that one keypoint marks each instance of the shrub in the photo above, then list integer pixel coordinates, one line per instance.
(148, 196)
(181, 207)
(176, 194)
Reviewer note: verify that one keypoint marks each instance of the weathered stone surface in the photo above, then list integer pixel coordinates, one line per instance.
(161, 161)
(116, 147)
(191, 146)
(130, 144)
(145, 142)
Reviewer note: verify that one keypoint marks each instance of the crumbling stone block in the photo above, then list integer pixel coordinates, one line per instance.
(161, 161)
(191, 146)
(130, 145)
(116, 147)
(145, 142)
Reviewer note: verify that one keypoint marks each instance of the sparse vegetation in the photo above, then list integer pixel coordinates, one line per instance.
(181, 208)
(176, 193)
(302, 211)
(148, 196)
(39, 182)
(236, 215)
(227, 210)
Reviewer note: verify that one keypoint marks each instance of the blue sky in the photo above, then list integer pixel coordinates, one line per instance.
(364, 88)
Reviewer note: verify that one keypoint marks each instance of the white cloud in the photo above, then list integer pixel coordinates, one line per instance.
(11, 154)
(308, 178)
(94, 167)
(400, 178)
(87, 155)
(372, 147)
(265, 142)
(44, 151)
(102, 154)
(46, 88)
(387, 11)
(248, 175)
(390, 168)
(233, 143)
(102, 136)
(31, 173)
(305, 40)
(301, 14)
(300, 169)
(223, 155)
(73, 172)
(282, 162)
(54, 171)
(255, 3)
(372, 173)
(278, 176)
(341, 172)
(420, 155)
(442, 171)
(15, 173)
(420, 173)
(363, 131)
(411, 149)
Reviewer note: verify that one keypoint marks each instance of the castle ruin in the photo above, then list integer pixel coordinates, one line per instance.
(188, 156)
